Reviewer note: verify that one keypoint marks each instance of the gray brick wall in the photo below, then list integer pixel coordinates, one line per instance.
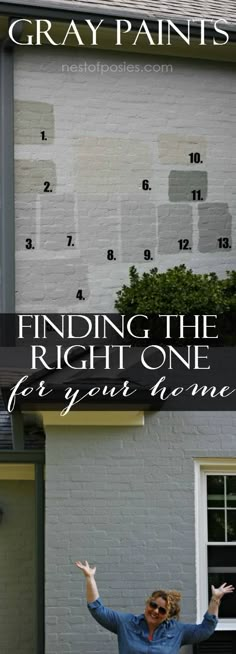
(124, 499)
(105, 134)
(17, 567)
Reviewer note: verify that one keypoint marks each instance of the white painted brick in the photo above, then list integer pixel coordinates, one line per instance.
(112, 131)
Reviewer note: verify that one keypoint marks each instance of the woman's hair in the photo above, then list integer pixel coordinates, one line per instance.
(172, 598)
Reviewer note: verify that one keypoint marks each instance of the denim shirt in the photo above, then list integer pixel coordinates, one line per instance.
(132, 631)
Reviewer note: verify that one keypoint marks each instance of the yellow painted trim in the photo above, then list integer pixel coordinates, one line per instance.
(224, 464)
(93, 418)
(24, 471)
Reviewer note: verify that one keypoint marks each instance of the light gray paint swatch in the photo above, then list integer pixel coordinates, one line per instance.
(57, 221)
(25, 219)
(51, 280)
(138, 230)
(175, 223)
(98, 227)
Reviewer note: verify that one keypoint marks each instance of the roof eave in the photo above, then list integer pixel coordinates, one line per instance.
(61, 9)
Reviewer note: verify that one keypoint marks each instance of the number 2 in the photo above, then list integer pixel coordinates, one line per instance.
(47, 188)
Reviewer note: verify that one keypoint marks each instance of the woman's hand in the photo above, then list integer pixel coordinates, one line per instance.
(218, 593)
(86, 568)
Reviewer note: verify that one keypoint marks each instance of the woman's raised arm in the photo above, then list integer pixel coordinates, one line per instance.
(195, 633)
(91, 586)
(108, 618)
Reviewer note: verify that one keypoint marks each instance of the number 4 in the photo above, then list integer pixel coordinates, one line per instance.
(79, 294)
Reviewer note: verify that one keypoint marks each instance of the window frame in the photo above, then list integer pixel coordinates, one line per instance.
(202, 467)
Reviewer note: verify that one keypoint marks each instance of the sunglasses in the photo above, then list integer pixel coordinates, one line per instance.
(154, 605)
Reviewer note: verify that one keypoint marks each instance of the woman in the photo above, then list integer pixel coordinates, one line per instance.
(158, 629)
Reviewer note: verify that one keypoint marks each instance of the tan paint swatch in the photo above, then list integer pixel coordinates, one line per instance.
(31, 176)
(175, 149)
(32, 118)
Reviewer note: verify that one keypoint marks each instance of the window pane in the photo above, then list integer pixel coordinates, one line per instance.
(231, 490)
(222, 568)
(231, 525)
(216, 525)
(223, 556)
(215, 490)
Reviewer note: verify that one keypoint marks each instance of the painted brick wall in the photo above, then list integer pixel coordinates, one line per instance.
(124, 499)
(17, 567)
(105, 134)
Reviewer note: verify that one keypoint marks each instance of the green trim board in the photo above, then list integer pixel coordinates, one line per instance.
(26, 456)
(30, 465)
(40, 558)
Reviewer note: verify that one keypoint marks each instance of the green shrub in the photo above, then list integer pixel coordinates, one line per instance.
(177, 290)
(180, 291)
(229, 287)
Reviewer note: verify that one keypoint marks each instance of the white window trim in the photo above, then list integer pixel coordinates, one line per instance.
(202, 466)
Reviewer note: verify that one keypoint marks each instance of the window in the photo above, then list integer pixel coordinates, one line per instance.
(216, 534)
(221, 527)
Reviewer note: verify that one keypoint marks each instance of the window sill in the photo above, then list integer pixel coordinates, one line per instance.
(226, 625)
